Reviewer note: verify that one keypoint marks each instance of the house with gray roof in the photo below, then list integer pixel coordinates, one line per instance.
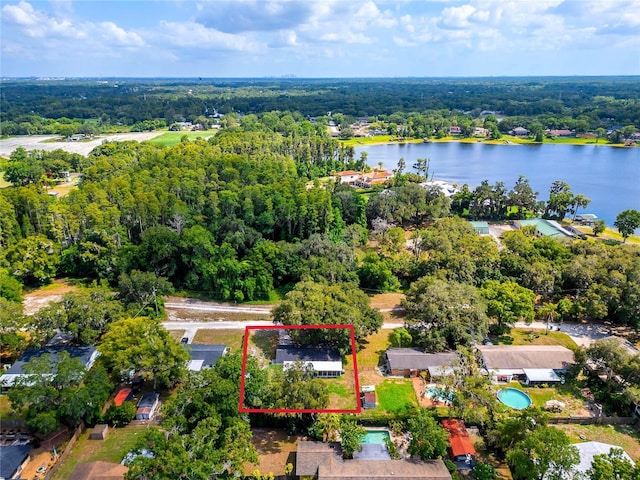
(13, 459)
(409, 362)
(327, 362)
(528, 363)
(87, 355)
(204, 356)
(323, 461)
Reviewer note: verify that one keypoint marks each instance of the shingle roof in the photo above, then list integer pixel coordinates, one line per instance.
(209, 354)
(288, 353)
(412, 358)
(11, 457)
(325, 461)
(526, 356)
(587, 450)
(83, 353)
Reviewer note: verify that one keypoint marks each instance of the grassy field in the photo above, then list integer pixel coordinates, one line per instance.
(374, 346)
(173, 138)
(622, 435)
(377, 140)
(232, 338)
(523, 336)
(341, 392)
(396, 395)
(3, 182)
(118, 443)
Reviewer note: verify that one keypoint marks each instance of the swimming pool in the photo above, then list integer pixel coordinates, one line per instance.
(376, 437)
(435, 393)
(514, 398)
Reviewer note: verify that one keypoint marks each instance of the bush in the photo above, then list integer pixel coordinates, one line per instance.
(120, 416)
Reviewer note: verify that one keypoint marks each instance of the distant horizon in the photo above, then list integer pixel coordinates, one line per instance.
(319, 38)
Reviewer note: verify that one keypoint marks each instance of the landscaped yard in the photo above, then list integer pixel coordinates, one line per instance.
(118, 443)
(523, 336)
(622, 435)
(396, 395)
(575, 403)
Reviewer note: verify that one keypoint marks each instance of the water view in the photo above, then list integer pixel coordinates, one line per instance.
(609, 176)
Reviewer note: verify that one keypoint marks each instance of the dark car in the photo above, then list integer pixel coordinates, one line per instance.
(184, 340)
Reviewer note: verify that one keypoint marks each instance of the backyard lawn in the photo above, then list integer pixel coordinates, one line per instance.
(396, 395)
(342, 394)
(173, 138)
(622, 435)
(523, 336)
(374, 346)
(118, 443)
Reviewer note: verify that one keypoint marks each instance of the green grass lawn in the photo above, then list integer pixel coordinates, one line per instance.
(3, 182)
(374, 346)
(6, 412)
(173, 138)
(232, 338)
(624, 436)
(118, 443)
(524, 336)
(396, 395)
(341, 395)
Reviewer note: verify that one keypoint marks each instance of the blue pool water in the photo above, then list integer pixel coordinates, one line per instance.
(514, 398)
(436, 393)
(376, 437)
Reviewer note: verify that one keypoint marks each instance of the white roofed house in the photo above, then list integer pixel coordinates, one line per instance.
(527, 363)
(326, 362)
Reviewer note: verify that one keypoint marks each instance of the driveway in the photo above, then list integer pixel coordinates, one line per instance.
(582, 334)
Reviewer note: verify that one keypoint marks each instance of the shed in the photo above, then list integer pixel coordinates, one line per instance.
(122, 396)
(147, 406)
(368, 399)
(99, 432)
(459, 441)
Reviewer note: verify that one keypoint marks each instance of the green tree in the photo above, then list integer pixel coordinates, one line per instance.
(298, 388)
(429, 440)
(612, 466)
(351, 435)
(311, 303)
(143, 291)
(544, 454)
(13, 329)
(608, 354)
(561, 200)
(508, 303)
(325, 427)
(122, 415)
(34, 260)
(400, 336)
(142, 344)
(442, 315)
(484, 471)
(626, 222)
(599, 226)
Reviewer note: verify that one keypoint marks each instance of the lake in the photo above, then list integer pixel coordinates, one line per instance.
(609, 176)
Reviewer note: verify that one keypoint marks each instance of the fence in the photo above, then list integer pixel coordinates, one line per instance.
(594, 420)
(65, 453)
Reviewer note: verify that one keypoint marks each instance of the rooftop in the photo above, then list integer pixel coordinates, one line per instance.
(11, 457)
(413, 358)
(458, 437)
(588, 450)
(526, 356)
(288, 353)
(205, 356)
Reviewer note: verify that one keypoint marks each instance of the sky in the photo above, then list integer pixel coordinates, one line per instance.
(318, 38)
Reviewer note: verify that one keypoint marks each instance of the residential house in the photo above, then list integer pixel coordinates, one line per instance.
(350, 177)
(527, 363)
(447, 189)
(586, 218)
(481, 228)
(545, 228)
(327, 362)
(204, 356)
(455, 130)
(13, 459)
(147, 406)
(378, 176)
(460, 444)
(562, 133)
(86, 354)
(480, 132)
(409, 362)
(323, 461)
(99, 471)
(519, 132)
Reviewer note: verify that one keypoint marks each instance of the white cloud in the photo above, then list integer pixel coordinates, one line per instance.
(113, 34)
(196, 35)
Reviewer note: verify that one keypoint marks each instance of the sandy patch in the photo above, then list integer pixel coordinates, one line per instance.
(34, 301)
(275, 449)
(43, 142)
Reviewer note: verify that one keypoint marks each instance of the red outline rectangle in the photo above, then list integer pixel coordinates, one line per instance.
(352, 331)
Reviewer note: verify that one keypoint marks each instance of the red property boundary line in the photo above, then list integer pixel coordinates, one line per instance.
(241, 407)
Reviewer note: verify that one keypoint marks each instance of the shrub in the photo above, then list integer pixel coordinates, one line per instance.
(120, 416)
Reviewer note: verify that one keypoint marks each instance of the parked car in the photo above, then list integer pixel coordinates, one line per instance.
(184, 340)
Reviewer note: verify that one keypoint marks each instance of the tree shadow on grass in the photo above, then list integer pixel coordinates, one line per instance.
(267, 341)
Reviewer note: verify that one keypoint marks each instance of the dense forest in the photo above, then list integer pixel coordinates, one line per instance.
(580, 103)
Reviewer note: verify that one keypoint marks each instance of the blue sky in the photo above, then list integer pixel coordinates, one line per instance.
(319, 38)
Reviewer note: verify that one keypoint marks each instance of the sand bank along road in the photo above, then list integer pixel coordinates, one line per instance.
(48, 143)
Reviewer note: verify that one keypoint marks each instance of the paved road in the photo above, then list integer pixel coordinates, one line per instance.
(582, 334)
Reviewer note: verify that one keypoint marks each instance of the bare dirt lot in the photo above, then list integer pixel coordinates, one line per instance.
(48, 143)
(34, 301)
(275, 449)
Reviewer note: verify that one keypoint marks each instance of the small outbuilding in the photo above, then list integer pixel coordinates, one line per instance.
(368, 397)
(122, 396)
(99, 432)
(460, 445)
(147, 406)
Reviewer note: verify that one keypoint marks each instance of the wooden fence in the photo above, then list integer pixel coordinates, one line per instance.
(594, 420)
(65, 453)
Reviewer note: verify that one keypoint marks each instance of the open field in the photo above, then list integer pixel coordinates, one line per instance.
(169, 139)
(53, 142)
(37, 299)
(118, 443)
(375, 345)
(523, 336)
(624, 436)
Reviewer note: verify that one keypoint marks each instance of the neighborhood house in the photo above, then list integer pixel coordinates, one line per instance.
(526, 363)
(409, 362)
(204, 356)
(326, 362)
